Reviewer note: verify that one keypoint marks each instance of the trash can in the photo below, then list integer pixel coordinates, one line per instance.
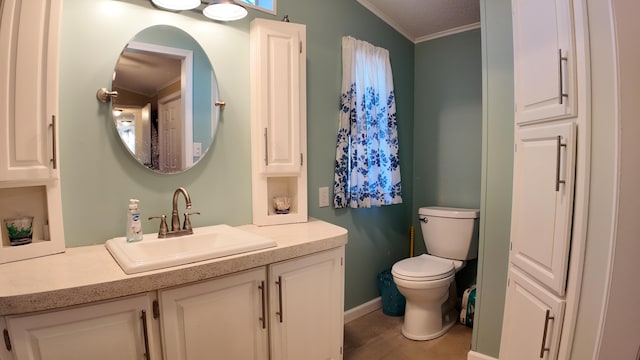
(392, 301)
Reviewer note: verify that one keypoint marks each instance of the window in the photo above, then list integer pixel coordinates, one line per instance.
(367, 167)
(268, 6)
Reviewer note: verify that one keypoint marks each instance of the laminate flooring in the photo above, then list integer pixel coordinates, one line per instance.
(376, 336)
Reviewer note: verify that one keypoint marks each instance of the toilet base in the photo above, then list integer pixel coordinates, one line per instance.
(448, 320)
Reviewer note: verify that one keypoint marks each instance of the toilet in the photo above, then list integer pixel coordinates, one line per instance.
(427, 281)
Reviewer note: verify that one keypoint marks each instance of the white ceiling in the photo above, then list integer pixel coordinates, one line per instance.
(422, 20)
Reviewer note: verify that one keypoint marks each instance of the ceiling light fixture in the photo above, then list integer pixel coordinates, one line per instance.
(224, 10)
(177, 5)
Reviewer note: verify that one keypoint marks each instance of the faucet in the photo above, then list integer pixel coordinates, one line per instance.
(175, 218)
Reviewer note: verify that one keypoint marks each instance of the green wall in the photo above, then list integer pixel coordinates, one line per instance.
(497, 169)
(98, 175)
(447, 138)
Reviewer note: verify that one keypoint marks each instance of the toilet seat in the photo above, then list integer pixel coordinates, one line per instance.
(423, 268)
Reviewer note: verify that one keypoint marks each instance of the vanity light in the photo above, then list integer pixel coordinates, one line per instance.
(177, 5)
(224, 10)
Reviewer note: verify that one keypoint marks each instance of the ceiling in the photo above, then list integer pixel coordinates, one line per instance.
(422, 20)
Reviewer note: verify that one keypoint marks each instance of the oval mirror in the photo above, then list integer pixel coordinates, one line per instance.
(165, 111)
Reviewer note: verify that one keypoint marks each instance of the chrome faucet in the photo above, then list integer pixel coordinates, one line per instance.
(175, 218)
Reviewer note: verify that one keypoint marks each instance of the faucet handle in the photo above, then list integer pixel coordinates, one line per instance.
(163, 225)
(187, 221)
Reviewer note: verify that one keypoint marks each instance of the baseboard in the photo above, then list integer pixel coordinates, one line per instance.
(362, 310)
(472, 355)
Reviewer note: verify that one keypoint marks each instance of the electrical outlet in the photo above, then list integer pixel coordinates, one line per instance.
(323, 197)
(197, 149)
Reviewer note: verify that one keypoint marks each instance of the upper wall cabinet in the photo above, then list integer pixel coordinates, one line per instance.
(29, 174)
(29, 89)
(544, 60)
(278, 121)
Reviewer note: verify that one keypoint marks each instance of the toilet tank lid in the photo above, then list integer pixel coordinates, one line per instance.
(449, 212)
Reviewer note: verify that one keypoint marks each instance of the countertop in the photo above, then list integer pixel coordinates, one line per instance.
(89, 273)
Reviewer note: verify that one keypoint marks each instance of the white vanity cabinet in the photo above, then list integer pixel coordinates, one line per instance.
(222, 318)
(544, 60)
(296, 314)
(118, 329)
(29, 179)
(278, 120)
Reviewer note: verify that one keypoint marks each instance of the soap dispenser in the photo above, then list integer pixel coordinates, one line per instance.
(134, 223)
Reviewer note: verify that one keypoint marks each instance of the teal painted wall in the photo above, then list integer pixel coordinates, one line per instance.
(447, 133)
(497, 172)
(98, 175)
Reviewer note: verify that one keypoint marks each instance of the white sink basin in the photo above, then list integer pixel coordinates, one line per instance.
(205, 243)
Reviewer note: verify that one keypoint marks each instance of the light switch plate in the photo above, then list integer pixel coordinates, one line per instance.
(323, 197)
(197, 149)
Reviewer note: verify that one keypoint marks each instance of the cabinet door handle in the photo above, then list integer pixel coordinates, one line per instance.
(562, 94)
(279, 312)
(263, 316)
(266, 147)
(54, 158)
(544, 333)
(145, 333)
(558, 147)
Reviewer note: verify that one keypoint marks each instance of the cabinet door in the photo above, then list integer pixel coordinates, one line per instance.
(544, 60)
(532, 321)
(306, 307)
(28, 89)
(106, 331)
(218, 319)
(542, 210)
(279, 95)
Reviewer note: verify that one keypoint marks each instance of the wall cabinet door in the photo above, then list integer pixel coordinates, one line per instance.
(544, 60)
(29, 87)
(222, 318)
(533, 320)
(112, 330)
(306, 314)
(543, 182)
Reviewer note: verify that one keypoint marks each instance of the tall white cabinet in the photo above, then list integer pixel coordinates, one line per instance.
(29, 166)
(278, 120)
(550, 175)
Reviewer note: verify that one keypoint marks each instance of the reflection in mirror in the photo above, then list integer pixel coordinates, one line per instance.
(165, 113)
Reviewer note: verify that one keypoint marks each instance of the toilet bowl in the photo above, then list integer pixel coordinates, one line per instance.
(427, 281)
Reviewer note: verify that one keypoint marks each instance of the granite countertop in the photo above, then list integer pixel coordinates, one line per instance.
(89, 273)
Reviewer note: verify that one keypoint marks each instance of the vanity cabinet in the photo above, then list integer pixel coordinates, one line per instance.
(544, 60)
(117, 329)
(291, 310)
(29, 178)
(278, 120)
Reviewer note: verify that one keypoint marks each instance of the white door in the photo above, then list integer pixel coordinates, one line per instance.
(541, 218)
(217, 319)
(306, 307)
(28, 89)
(533, 321)
(106, 331)
(170, 137)
(544, 60)
(281, 67)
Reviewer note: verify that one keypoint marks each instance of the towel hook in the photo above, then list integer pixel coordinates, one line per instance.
(103, 95)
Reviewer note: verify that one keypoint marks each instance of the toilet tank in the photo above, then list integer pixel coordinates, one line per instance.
(450, 232)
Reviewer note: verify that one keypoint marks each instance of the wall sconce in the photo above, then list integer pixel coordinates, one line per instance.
(220, 10)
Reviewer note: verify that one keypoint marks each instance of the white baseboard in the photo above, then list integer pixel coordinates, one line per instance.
(472, 355)
(362, 310)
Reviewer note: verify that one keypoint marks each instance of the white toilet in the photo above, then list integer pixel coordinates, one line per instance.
(427, 281)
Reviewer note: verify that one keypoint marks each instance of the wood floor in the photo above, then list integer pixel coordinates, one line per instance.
(376, 336)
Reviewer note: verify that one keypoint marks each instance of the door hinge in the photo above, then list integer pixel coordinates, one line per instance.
(300, 47)
(301, 159)
(341, 350)
(156, 309)
(341, 261)
(7, 339)
(510, 246)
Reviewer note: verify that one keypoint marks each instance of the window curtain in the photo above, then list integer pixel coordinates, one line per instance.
(367, 168)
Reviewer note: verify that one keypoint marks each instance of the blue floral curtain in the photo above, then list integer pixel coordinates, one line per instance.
(367, 169)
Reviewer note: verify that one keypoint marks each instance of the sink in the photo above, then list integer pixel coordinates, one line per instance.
(205, 243)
